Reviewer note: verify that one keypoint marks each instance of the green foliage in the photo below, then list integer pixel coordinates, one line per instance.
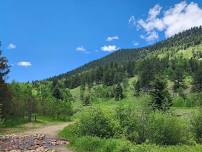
(197, 76)
(191, 100)
(166, 129)
(161, 99)
(92, 144)
(103, 92)
(63, 110)
(196, 126)
(57, 93)
(14, 121)
(178, 66)
(118, 92)
(97, 123)
(32, 99)
(86, 100)
(4, 91)
(137, 88)
(134, 123)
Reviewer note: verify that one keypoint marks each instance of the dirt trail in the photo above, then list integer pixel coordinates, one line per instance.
(50, 130)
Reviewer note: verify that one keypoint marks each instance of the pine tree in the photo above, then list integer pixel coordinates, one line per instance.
(1, 116)
(137, 87)
(82, 91)
(57, 93)
(160, 96)
(197, 78)
(118, 92)
(178, 76)
(4, 92)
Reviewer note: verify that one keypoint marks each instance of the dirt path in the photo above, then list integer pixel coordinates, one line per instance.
(50, 130)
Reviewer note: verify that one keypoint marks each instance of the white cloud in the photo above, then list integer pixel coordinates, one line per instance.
(80, 49)
(135, 43)
(11, 46)
(109, 48)
(154, 12)
(180, 17)
(150, 36)
(132, 20)
(111, 38)
(24, 63)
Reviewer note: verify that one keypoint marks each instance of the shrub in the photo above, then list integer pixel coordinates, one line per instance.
(196, 126)
(134, 123)
(96, 123)
(166, 129)
(103, 91)
(63, 110)
(70, 132)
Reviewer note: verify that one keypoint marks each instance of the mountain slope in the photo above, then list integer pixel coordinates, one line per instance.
(180, 41)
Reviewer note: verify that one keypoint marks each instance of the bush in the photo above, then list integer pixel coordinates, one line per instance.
(96, 123)
(196, 126)
(166, 129)
(159, 128)
(13, 121)
(63, 110)
(96, 144)
(103, 92)
(180, 102)
(134, 123)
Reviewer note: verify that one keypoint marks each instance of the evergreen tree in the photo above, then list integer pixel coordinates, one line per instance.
(82, 91)
(130, 69)
(118, 92)
(86, 100)
(197, 78)
(178, 76)
(137, 87)
(4, 92)
(1, 116)
(57, 93)
(160, 96)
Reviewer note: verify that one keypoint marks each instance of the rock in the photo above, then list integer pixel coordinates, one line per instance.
(29, 143)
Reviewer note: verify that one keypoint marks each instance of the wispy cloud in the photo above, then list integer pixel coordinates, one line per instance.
(135, 43)
(109, 48)
(111, 38)
(150, 36)
(81, 49)
(11, 46)
(24, 64)
(132, 20)
(180, 17)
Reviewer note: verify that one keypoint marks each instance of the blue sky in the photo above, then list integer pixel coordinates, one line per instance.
(43, 38)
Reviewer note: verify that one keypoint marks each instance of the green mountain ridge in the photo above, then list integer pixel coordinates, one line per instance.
(178, 42)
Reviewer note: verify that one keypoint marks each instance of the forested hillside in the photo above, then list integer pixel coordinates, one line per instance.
(128, 62)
